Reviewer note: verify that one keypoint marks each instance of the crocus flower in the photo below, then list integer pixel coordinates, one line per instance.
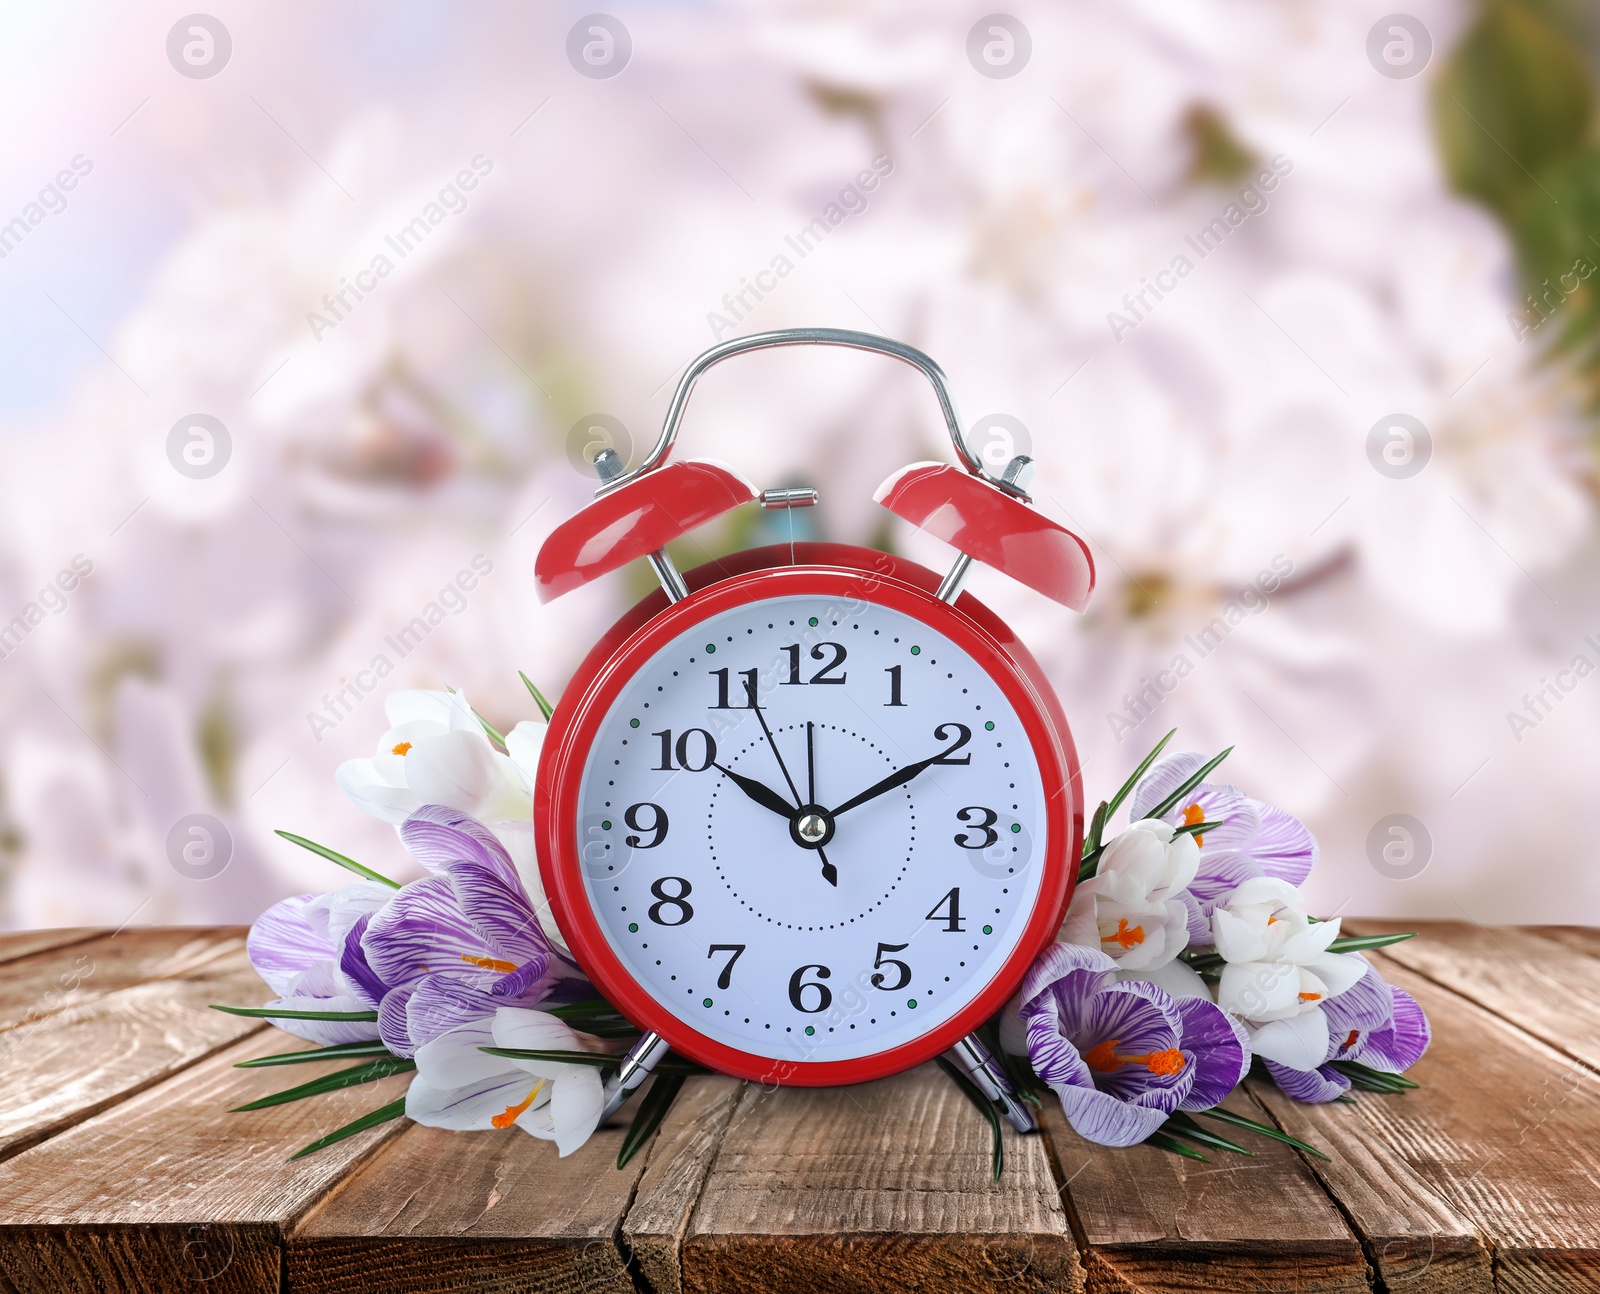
(1252, 839)
(472, 923)
(1278, 974)
(1123, 1055)
(308, 950)
(458, 1085)
(1135, 908)
(1372, 1022)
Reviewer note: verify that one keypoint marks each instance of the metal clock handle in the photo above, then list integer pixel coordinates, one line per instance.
(636, 1067)
(803, 337)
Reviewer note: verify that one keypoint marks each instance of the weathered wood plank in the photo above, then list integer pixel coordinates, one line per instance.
(882, 1186)
(1540, 984)
(1583, 939)
(69, 1065)
(436, 1210)
(1503, 1129)
(670, 1188)
(1154, 1221)
(168, 1190)
(82, 971)
(24, 943)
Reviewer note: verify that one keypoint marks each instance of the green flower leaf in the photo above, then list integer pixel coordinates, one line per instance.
(343, 1051)
(280, 1013)
(349, 864)
(1133, 778)
(1199, 775)
(997, 1156)
(1164, 1141)
(384, 1113)
(352, 1077)
(1356, 943)
(1261, 1129)
(652, 1110)
(545, 708)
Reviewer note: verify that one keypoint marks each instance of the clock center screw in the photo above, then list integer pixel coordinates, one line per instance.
(812, 828)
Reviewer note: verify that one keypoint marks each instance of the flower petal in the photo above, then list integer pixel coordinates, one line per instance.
(454, 1059)
(282, 942)
(1220, 1047)
(443, 1003)
(1284, 847)
(455, 769)
(1164, 777)
(422, 930)
(501, 914)
(1053, 1057)
(472, 1106)
(358, 978)
(1300, 1041)
(365, 788)
(1315, 1085)
(1088, 967)
(326, 1033)
(1098, 1117)
(1255, 990)
(437, 835)
(1401, 1045)
(575, 1105)
(392, 1021)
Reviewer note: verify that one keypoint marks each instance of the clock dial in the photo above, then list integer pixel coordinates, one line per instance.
(812, 828)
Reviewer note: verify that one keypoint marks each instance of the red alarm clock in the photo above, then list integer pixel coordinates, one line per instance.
(807, 815)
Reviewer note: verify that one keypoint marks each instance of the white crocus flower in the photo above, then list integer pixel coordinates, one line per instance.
(1279, 971)
(1135, 908)
(460, 1086)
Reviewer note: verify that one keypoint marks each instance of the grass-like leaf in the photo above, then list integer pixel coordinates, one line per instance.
(1195, 829)
(1358, 943)
(1097, 829)
(1261, 1129)
(589, 1006)
(1183, 1125)
(1374, 1080)
(489, 729)
(1193, 780)
(394, 1110)
(283, 1013)
(343, 1051)
(545, 708)
(592, 1058)
(1163, 1141)
(333, 856)
(1126, 788)
(997, 1155)
(652, 1110)
(352, 1077)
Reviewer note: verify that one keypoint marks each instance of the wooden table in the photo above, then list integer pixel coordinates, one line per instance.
(120, 1170)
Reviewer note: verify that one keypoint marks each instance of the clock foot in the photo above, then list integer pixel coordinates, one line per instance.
(636, 1067)
(982, 1068)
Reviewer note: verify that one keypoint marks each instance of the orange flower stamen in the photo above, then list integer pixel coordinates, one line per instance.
(512, 1113)
(400, 748)
(1193, 814)
(1126, 936)
(1311, 997)
(1351, 1040)
(1105, 1059)
(490, 963)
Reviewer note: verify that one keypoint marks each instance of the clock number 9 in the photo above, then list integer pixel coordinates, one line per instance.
(657, 826)
(707, 750)
(678, 901)
(880, 961)
(797, 987)
(990, 835)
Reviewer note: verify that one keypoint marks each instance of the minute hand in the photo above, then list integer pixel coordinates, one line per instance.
(895, 779)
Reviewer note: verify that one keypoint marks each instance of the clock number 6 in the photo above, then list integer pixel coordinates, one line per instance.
(725, 980)
(796, 990)
(990, 835)
(881, 961)
(679, 901)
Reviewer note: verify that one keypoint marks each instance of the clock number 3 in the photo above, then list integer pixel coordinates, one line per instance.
(986, 825)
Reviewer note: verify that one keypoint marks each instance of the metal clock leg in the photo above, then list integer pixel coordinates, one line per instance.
(974, 1057)
(636, 1067)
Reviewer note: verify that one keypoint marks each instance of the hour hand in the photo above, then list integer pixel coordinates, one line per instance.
(762, 794)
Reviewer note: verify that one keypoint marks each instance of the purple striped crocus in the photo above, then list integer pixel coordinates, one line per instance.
(1372, 1022)
(1253, 839)
(1123, 1055)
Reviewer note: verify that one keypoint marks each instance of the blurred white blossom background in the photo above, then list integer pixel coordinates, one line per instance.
(1226, 443)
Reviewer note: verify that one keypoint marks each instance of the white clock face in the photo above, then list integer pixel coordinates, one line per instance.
(812, 828)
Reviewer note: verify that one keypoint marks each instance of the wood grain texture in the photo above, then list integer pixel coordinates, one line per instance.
(24, 943)
(66, 1066)
(1503, 1130)
(1154, 1221)
(1541, 984)
(680, 1158)
(885, 1185)
(437, 1210)
(168, 1190)
(81, 971)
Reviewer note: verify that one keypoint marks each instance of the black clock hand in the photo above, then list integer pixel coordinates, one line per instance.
(899, 778)
(830, 873)
(762, 794)
(782, 767)
(811, 764)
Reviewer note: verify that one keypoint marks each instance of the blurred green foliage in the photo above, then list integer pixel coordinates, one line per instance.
(1514, 111)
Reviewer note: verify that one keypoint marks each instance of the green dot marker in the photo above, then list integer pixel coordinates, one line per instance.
(809, 1030)
(916, 651)
(705, 1002)
(633, 723)
(710, 648)
(988, 930)
(812, 622)
(912, 1003)
(988, 725)
(1016, 826)
(633, 927)
(605, 825)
